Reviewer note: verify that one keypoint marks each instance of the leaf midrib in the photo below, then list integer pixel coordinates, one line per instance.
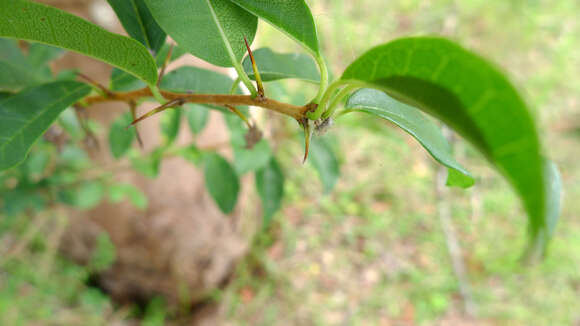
(141, 26)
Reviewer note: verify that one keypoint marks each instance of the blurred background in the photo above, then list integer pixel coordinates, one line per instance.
(374, 251)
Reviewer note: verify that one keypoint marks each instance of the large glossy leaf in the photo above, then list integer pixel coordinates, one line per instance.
(25, 116)
(324, 161)
(139, 23)
(221, 181)
(27, 20)
(123, 82)
(270, 186)
(274, 66)
(411, 120)
(471, 96)
(212, 30)
(291, 17)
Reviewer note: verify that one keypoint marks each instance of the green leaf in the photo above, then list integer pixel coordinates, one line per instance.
(86, 196)
(270, 186)
(121, 191)
(553, 184)
(324, 161)
(197, 117)
(247, 160)
(212, 30)
(139, 23)
(275, 66)
(197, 80)
(20, 199)
(104, 254)
(177, 52)
(124, 82)
(469, 95)
(25, 116)
(412, 121)
(70, 123)
(148, 165)
(120, 137)
(41, 54)
(16, 72)
(170, 122)
(291, 17)
(191, 154)
(221, 181)
(27, 20)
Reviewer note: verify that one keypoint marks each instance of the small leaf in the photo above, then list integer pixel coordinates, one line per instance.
(275, 66)
(20, 199)
(176, 53)
(41, 54)
(25, 116)
(86, 196)
(70, 123)
(104, 254)
(192, 154)
(27, 20)
(197, 80)
(412, 121)
(148, 165)
(170, 123)
(16, 72)
(124, 82)
(197, 117)
(469, 95)
(270, 186)
(248, 160)
(121, 191)
(120, 137)
(291, 17)
(324, 161)
(212, 30)
(139, 23)
(221, 181)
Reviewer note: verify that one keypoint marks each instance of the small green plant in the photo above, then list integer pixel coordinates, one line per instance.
(398, 81)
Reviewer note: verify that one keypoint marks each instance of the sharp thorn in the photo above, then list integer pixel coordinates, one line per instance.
(257, 76)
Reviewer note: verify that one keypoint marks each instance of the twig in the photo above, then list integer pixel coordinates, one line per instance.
(96, 84)
(294, 111)
(453, 247)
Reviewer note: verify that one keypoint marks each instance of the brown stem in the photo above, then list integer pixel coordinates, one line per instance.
(294, 111)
